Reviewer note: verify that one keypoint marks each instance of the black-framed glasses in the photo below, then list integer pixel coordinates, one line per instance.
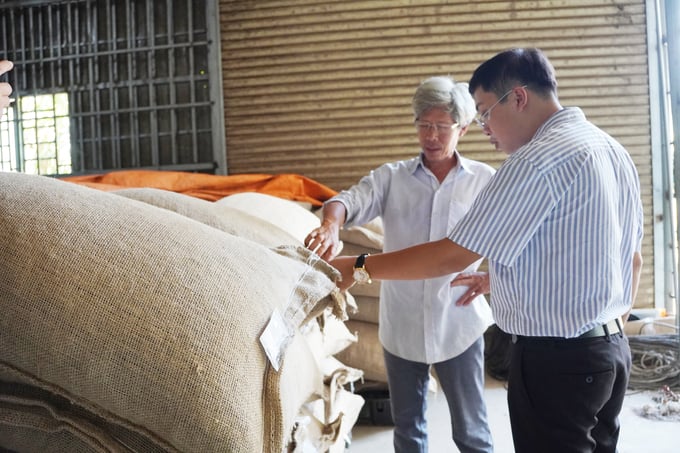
(442, 129)
(483, 119)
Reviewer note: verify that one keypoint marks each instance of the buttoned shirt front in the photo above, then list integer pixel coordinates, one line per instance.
(419, 320)
(559, 223)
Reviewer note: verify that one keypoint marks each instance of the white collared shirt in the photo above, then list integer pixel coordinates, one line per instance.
(419, 319)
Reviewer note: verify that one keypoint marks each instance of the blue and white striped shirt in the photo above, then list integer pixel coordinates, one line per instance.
(559, 223)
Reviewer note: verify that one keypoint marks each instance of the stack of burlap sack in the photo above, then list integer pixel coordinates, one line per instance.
(366, 354)
(132, 321)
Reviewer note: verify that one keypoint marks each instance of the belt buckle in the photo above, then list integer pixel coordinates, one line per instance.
(619, 328)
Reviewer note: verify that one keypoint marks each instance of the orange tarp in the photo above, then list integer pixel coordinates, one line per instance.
(211, 187)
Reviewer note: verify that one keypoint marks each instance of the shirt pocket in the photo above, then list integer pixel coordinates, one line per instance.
(457, 211)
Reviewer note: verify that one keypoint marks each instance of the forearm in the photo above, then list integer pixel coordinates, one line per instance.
(635, 283)
(334, 213)
(428, 260)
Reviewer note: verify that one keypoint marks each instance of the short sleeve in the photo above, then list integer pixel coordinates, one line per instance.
(507, 213)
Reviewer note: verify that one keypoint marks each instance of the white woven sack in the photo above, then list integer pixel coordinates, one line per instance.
(329, 338)
(221, 216)
(370, 235)
(324, 425)
(140, 326)
(286, 214)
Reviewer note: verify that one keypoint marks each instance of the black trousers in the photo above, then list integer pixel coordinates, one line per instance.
(565, 395)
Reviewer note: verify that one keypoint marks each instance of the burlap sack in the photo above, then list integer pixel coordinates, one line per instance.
(351, 248)
(238, 222)
(369, 235)
(220, 216)
(366, 354)
(133, 325)
(368, 309)
(286, 214)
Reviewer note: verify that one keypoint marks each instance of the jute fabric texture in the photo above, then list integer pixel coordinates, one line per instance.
(128, 324)
(367, 353)
(220, 216)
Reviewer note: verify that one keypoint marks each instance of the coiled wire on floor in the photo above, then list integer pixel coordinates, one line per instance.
(656, 361)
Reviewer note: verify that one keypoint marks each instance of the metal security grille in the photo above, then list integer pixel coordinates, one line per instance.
(137, 81)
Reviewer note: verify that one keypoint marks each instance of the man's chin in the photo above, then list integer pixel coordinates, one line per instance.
(497, 146)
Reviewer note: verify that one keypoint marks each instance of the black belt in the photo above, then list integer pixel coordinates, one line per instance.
(604, 330)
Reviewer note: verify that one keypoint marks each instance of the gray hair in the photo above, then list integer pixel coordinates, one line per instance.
(443, 92)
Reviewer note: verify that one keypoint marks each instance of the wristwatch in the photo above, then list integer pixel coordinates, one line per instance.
(360, 274)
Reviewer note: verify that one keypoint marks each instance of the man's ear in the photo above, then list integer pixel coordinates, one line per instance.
(463, 131)
(521, 98)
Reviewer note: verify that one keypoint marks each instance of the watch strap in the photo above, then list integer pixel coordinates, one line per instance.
(361, 260)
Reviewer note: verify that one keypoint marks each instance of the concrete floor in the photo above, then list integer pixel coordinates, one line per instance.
(638, 434)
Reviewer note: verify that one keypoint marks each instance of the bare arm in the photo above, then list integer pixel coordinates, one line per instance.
(428, 260)
(637, 270)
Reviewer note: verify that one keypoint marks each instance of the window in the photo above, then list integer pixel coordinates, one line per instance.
(104, 85)
(44, 145)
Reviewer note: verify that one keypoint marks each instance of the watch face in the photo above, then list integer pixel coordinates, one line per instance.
(361, 276)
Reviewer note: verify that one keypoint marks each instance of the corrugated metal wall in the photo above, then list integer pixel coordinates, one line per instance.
(323, 88)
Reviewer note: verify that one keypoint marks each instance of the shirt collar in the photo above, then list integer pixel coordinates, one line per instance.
(463, 163)
(562, 116)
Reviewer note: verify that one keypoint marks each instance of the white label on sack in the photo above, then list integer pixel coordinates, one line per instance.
(275, 338)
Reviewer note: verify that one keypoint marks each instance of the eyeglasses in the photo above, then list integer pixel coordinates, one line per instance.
(442, 129)
(483, 119)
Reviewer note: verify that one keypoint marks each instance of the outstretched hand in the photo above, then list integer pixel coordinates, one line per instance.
(5, 88)
(477, 282)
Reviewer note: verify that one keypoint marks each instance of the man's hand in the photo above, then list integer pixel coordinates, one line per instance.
(477, 283)
(324, 241)
(5, 88)
(345, 264)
